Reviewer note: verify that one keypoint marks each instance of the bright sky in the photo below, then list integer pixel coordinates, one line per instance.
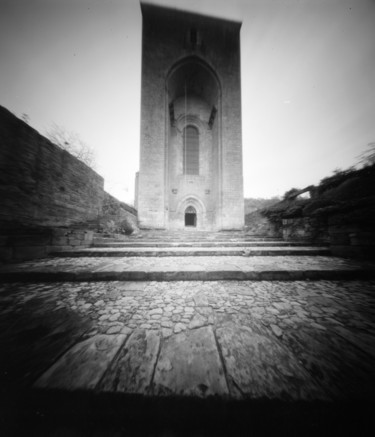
(308, 81)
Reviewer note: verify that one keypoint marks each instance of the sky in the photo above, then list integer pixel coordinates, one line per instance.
(307, 70)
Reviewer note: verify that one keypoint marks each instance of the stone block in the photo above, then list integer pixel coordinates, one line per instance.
(74, 242)
(189, 364)
(59, 241)
(82, 366)
(21, 253)
(133, 369)
(260, 368)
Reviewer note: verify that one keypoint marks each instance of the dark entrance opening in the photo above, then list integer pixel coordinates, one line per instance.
(190, 217)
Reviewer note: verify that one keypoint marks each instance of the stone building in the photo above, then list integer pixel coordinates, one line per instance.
(191, 146)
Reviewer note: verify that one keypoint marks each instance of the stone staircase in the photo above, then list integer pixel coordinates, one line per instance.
(189, 321)
(187, 255)
(167, 244)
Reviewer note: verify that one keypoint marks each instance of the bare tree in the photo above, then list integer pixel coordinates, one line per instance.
(72, 143)
(25, 117)
(368, 156)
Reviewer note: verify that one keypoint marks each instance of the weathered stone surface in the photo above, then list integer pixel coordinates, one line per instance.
(258, 367)
(186, 268)
(45, 185)
(197, 321)
(133, 368)
(189, 364)
(179, 327)
(34, 335)
(82, 366)
(39, 321)
(276, 330)
(333, 362)
(221, 208)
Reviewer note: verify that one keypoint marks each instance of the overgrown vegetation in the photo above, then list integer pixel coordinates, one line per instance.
(72, 143)
(253, 204)
(345, 192)
(115, 217)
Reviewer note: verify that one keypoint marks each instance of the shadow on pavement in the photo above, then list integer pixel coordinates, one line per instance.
(83, 413)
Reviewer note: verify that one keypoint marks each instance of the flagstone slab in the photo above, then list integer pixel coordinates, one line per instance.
(133, 368)
(34, 337)
(82, 366)
(189, 364)
(342, 370)
(259, 367)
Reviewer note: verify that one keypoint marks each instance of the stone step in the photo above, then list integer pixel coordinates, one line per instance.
(188, 268)
(192, 251)
(118, 244)
(185, 236)
(182, 239)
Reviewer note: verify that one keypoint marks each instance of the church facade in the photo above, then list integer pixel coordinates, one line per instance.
(190, 173)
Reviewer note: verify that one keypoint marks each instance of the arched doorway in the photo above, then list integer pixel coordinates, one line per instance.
(190, 217)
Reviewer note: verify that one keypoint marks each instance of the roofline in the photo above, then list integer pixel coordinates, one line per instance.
(145, 4)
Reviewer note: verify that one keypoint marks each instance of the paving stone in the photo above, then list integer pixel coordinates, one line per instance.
(258, 367)
(114, 329)
(197, 321)
(189, 364)
(200, 300)
(132, 370)
(342, 362)
(169, 308)
(166, 332)
(166, 324)
(156, 311)
(125, 330)
(276, 330)
(341, 369)
(179, 327)
(82, 366)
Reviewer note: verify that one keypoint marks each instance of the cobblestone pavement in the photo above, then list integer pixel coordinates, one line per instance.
(288, 340)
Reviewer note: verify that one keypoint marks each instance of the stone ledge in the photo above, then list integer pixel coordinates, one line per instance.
(161, 276)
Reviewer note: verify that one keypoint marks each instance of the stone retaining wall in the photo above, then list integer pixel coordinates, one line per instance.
(49, 198)
(40, 242)
(346, 238)
(41, 184)
(305, 228)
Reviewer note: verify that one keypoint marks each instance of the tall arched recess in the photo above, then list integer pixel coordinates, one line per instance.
(193, 140)
(191, 85)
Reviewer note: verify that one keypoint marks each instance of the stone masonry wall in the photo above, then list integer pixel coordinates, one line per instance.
(348, 235)
(165, 45)
(49, 199)
(41, 184)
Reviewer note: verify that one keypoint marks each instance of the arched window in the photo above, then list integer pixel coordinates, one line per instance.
(191, 150)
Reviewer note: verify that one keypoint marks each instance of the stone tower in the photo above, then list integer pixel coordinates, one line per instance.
(191, 147)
